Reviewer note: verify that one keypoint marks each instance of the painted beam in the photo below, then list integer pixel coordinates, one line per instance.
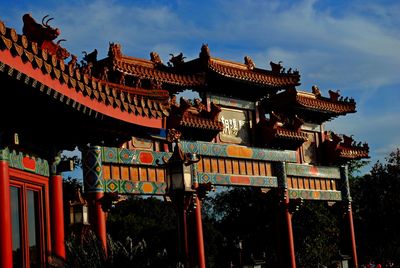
(301, 170)
(236, 180)
(315, 195)
(135, 157)
(25, 162)
(237, 151)
(131, 187)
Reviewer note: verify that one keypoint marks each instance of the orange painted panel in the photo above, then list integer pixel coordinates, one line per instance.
(221, 166)
(295, 183)
(333, 182)
(317, 184)
(235, 167)
(124, 173)
(249, 167)
(306, 183)
(207, 164)
(228, 165)
(268, 169)
(242, 167)
(142, 174)
(301, 184)
(200, 166)
(151, 172)
(214, 165)
(289, 182)
(312, 184)
(134, 172)
(262, 169)
(115, 173)
(237, 151)
(255, 168)
(323, 184)
(106, 172)
(160, 175)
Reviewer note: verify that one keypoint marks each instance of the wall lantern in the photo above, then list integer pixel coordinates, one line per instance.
(179, 174)
(78, 209)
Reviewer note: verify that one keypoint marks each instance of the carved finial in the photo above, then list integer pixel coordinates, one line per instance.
(276, 67)
(205, 52)
(334, 95)
(154, 57)
(316, 91)
(114, 50)
(91, 57)
(249, 62)
(37, 32)
(176, 60)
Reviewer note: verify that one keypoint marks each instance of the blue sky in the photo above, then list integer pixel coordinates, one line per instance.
(348, 45)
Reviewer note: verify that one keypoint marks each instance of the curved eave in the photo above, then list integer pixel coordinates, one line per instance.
(257, 76)
(352, 152)
(290, 135)
(146, 72)
(45, 79)
(201, 123)
(319, 105)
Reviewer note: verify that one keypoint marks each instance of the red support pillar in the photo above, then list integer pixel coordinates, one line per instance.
(98, 219)
(199, 232)
(288, 219)
(57, 216)
(352, 236)
(5, 217)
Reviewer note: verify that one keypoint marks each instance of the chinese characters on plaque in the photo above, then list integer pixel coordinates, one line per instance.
(236, 126)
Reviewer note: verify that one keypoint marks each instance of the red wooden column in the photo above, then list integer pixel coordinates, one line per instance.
(199, 232)
(93, 181)
(99, 219)
(349, 213)
(57, 216)
(352, 236)
(5, 215)
(290, 260)
(289, 229)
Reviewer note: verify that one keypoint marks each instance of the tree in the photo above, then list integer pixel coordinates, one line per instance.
(376, 205)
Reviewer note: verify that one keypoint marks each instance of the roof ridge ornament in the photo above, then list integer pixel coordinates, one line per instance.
(249, 62)
(155, 58)
(205, 52)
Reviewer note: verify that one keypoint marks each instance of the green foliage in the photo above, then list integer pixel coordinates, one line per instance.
(150, 220)
(376, 214)
(248, 215)
(85, 250)
(316, 233)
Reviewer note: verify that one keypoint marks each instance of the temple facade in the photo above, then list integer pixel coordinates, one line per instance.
(250, 127)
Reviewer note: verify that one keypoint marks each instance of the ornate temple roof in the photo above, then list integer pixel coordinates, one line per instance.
(311, 107)
(152, 69)
(341, 148)
(194, 120)
(276, 133)
(75, 85)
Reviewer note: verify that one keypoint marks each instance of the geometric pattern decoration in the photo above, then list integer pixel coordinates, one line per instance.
(312, 171)
(137, 157)
(237, 151)
(237, 180)
(315, 195)
(280, 173)
(92, 169)
(20, 161)
(131, 187)
(345, 187)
